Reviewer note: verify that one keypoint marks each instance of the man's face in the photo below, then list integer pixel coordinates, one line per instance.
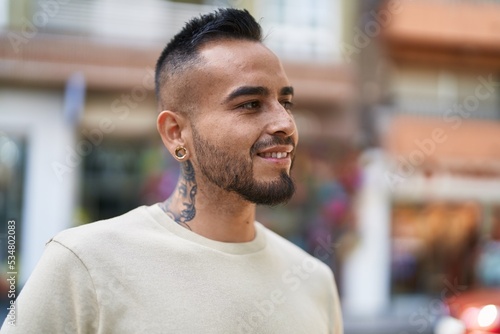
(244, 135)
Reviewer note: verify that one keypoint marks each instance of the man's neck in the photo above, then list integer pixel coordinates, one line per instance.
(210, 211)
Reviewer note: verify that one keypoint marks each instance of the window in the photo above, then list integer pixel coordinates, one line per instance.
(433, 244)
(297, 29)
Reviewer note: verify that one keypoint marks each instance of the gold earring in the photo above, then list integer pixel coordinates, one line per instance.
(180, 152)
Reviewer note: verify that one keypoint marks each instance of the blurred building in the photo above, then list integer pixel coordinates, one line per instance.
(78, 139)
(430, 100)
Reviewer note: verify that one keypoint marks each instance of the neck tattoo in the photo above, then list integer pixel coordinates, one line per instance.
(185, 194)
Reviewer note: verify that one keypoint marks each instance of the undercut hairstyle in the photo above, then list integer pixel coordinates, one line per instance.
(182, 52)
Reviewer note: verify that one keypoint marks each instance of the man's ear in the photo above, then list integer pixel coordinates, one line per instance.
(172, 128)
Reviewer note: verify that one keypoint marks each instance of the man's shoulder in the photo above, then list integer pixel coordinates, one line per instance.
(102, 232)
(294, 253)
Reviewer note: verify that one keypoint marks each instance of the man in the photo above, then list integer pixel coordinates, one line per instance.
(197, 263)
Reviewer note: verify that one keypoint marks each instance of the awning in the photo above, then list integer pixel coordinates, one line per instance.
(451, 145)
(446, 32)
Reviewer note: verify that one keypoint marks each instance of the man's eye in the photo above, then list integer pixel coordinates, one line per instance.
(250, 105)
(288, 105)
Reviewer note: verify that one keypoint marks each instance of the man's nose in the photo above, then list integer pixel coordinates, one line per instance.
(281, 121)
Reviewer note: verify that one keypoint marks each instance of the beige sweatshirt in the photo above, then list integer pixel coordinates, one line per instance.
(143, 273)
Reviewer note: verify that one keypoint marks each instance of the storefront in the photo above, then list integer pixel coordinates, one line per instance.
(427, 208)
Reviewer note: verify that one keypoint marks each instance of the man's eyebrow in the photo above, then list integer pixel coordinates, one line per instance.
(255, 90)
(288, 90)
(247, 90)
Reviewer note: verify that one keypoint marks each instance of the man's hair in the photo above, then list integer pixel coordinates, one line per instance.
(181, 52)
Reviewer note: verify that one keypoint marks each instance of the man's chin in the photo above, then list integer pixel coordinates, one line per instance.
(277, 191)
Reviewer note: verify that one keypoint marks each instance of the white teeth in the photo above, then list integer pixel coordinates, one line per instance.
(276, 155)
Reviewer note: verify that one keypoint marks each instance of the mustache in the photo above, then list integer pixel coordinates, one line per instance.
(272, 141)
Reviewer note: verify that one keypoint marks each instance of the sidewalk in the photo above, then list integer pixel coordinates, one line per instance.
(407, 315)
(383, 326)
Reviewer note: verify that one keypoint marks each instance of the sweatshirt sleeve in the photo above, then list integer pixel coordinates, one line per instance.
(59, 296)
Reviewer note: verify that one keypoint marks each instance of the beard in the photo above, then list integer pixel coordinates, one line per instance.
(233, 173)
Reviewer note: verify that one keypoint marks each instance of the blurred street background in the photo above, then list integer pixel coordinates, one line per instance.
(398, 110)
